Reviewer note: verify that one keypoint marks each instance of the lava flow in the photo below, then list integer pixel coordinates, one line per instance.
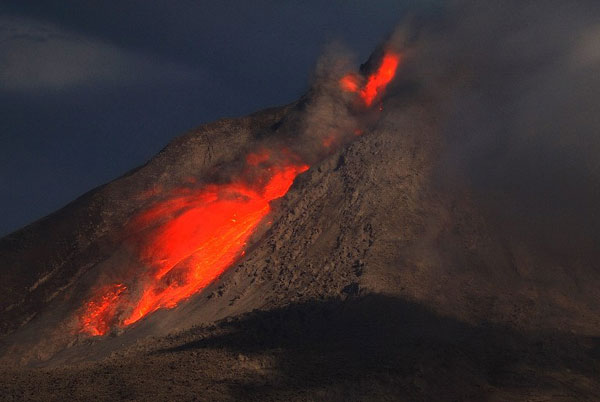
(376, 82)
(101, 310)
(205, 236)
(188, 239)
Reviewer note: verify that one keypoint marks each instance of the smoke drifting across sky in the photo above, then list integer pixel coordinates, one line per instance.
(518, 89)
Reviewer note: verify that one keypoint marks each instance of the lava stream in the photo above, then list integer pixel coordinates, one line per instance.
(188, 239)
(192, 239)
(376, 82)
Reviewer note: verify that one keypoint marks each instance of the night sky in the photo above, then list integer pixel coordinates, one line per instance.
(90, 90)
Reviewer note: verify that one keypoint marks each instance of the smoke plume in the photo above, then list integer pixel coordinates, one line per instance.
(517, 86)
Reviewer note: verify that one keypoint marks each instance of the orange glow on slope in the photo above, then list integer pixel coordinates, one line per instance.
(349, 83)
(381, 78)
(192, 239)
(256, 158)
(191, 250)
(100, 311)
(329, 140)
(376, 82)
(185, 241)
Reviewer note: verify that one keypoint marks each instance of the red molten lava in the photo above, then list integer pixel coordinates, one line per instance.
(100, 311)
(376, 82)
(189, 241)
(185, 241)
(206, 235)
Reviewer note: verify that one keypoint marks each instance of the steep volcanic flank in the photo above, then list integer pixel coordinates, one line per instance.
(191, 236)
(173, 236)
(187, 240)
(329, 249)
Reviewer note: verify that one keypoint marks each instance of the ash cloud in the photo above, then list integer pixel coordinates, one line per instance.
(327, 116)
(515, 87)
(518, 90)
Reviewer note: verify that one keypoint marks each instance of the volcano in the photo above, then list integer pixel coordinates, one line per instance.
(322, 250)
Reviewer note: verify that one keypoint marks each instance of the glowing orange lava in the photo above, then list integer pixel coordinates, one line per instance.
(205, 236)
(100, 311)
(376, 82)
(186, 240)
(193, 238)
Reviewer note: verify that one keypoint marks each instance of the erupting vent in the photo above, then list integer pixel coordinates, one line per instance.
(376, 82)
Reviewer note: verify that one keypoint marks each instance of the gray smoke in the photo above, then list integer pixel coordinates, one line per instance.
(518, 89)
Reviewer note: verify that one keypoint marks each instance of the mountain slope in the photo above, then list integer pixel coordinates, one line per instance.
(426, 249)
(372, 281)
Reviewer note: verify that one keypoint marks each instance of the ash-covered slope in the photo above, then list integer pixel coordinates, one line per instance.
(373, 282)
(387, 271)
(51, 265)
(51, 253)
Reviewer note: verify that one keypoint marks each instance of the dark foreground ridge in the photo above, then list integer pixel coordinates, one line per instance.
(370, 347)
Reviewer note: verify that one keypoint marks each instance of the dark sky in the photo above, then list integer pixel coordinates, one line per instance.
(92, 89)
